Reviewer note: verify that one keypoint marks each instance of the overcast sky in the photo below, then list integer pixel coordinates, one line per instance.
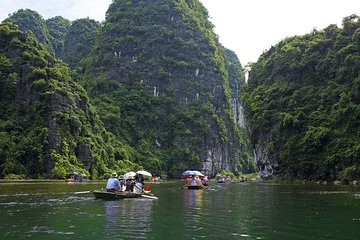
(247, 27)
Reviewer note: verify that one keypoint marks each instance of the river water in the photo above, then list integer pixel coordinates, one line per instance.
(51, 210)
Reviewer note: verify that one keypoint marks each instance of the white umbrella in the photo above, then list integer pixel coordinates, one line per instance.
(144, 173)
(129, 174)
(197, 173)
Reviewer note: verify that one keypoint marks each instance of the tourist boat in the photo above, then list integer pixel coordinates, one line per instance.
(75, 177)
(120, 195)
(223, 179)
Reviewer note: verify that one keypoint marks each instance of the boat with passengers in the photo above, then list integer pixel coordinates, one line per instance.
(104, 194)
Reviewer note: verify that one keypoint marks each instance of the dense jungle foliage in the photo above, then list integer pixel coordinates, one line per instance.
(79, 40)
(303, 97)
(58, 29)
(47, 126)
(29, 20)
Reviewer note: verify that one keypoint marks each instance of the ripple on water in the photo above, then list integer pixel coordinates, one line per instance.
(48, 230)
(329, 192)
(14, 195)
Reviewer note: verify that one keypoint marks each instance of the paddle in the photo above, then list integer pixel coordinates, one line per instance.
(83, 192)
(148, 196)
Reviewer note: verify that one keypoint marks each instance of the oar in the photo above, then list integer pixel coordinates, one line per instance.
(83, 192)
(148, 196)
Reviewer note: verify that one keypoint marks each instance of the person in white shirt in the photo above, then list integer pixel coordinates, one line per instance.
(139, 184)
(113, 183)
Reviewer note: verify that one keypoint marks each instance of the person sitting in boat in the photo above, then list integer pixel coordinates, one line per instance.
(204, 181)
(122, 183)
(139, 184)
(129, 184)
(192, 181)
(113, 183)
(198, 181)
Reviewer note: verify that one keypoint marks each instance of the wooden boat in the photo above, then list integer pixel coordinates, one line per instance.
(74, 177)
(222, 179)
(73, 180)
(120, 195)
(194, 187)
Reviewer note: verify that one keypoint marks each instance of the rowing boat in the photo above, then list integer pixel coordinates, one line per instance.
(120, 195)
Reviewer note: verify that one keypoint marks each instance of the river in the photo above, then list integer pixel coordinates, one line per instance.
(51, 210)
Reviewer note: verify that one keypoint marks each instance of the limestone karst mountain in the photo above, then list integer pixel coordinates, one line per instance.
(161, 68)
(165, 90)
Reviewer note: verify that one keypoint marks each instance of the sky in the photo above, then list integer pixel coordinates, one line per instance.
(248, 27)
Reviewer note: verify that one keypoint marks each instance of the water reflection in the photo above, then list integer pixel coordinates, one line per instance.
(129, 217)
(194, 212)
(194, 198)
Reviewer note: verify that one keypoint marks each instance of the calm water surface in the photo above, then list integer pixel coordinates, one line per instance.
(51, 210)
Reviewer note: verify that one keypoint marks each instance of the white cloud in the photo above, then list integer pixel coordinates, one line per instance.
(251, 26)
(70, 9)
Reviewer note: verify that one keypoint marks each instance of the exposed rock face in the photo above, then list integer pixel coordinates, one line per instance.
(236, 79)
(264, 162)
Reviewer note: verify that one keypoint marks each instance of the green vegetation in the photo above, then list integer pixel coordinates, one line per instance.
(158, 80)
(47, 126)
(303, 98)
(158, 95)
(153, 88)
(58, 28)
(79, 40)
(29, 20)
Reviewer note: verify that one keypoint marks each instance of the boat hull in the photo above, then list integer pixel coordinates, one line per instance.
(103, 194)
(73, 180)
(194, 187)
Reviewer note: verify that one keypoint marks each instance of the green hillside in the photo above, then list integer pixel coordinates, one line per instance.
(29, 20)
(303, 96)
(58, 28)
(47, 126)
(79, 40)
